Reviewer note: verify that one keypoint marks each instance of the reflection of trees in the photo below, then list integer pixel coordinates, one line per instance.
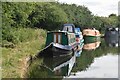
(42, 68)
(37, 71)
(104, 49)
(87, 57)
(84, 61)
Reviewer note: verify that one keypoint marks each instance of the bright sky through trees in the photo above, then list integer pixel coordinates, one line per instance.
(98, 7)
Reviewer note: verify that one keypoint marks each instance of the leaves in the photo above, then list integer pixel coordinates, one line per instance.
(49, 16)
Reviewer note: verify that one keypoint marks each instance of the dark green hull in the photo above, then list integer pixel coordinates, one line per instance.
(91, 39)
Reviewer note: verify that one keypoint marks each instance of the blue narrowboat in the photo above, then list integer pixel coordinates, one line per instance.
(79, 36)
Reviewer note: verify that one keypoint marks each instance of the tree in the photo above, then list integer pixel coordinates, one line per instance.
(112, 15)
(47, 16)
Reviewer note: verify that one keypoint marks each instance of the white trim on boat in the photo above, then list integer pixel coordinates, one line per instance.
(54, 38)
(59, 38)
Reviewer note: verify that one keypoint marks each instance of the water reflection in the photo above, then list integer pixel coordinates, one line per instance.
(91, 46)
(102, 62)
(79, 51)
(51, 67)
(102, 67)
(59, 66)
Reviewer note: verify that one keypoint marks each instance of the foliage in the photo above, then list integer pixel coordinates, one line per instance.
(119, 21)
(97, 22)
(21, 15)
(18, 35)
(49, 16)
(111, 21)
(79, 15)
(111, 15)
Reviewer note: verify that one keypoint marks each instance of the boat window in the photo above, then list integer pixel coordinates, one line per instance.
(77, 31)
(57, 38)
(68, 28)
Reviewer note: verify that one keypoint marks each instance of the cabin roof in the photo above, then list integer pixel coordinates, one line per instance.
(77, 28)
(57, 32)
(68, 24)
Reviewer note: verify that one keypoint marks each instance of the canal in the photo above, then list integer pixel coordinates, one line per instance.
(94, 60)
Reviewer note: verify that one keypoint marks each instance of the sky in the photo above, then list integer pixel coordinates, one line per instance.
(97, 7)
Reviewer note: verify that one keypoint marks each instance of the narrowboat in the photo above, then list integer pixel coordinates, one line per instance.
(80, 40)
(91, 46)
(91, 34)
(79, 36)
(112, 37)
(61, 42)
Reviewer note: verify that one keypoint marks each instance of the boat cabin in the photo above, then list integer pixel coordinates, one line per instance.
(69, 28)
(64, 37)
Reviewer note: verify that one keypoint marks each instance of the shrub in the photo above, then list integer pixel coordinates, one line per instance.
(17, 35)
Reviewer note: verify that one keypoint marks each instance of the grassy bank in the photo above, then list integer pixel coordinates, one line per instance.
(13, 59)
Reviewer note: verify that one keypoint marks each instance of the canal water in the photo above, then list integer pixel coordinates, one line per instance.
(94, 60)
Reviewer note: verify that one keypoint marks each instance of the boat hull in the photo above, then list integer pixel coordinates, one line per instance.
(91, 39)
(55, 49)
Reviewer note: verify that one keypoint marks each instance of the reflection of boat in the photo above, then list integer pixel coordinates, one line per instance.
(61, 42)
(112, 37)
(91, 35)
(78, 53)
(91, 46)
(79, 50)
(59, 66)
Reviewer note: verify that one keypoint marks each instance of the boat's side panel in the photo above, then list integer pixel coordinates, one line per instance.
(64, 39)
(49, 38)
(90, 39)
(71, 38)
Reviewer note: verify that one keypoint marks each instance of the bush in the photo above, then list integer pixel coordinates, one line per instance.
(17, 35)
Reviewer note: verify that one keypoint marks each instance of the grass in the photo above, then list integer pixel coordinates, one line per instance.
(13, 59)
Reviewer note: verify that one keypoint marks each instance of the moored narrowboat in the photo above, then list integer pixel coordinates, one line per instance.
(79, 36)
(91, 34)
(112, 37)
(61, 42)
(80, 40)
